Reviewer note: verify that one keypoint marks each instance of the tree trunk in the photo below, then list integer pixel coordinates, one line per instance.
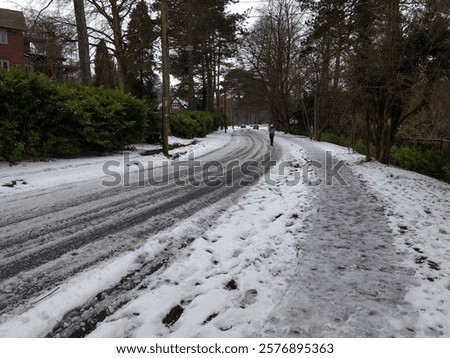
(190, 54)
(83, 42)
(166, 79)
(204, 83)
(384, 142)
(210, 80)
(392, 44)
(118, 44)
(367, 138)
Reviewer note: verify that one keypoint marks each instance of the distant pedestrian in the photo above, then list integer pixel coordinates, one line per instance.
(271, 134)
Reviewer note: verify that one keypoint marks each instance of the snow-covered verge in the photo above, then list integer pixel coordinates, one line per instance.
(26, 176)
(418, 208)
(230, 279)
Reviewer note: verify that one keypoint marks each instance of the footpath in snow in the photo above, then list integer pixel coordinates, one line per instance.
(350, 281)
(375, 261)
(367, 259)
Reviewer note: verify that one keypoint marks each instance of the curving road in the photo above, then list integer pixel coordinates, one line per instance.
(47, 236)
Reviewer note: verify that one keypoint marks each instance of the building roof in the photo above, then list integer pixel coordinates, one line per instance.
(13, 20)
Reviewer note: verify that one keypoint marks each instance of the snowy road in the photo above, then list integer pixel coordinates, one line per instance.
(280, 258)
(50, 235)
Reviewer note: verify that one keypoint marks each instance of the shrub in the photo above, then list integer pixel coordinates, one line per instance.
(447, 173)
(405, 157)
(190, 124)
(154, 124)
(432, 162)
(41, 118)
(29, 103)
(335, 139)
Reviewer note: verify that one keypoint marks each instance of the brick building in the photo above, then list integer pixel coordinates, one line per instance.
(12, 27)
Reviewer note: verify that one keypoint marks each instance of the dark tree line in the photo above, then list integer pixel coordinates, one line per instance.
(360, 68)
(363, 69)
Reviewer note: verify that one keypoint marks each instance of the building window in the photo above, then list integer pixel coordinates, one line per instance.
(3, 36)
(4, 64)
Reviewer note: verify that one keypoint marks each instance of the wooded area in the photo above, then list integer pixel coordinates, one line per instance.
(362, 69)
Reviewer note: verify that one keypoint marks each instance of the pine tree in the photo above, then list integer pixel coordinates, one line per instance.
(213, 37)
(105, 71)
(141, 36)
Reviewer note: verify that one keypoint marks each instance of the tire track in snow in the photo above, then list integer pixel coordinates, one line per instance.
(70, 234)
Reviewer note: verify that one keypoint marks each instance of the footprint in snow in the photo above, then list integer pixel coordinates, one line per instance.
(250, 298)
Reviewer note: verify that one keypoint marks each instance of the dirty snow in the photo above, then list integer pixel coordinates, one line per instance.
(367, 259)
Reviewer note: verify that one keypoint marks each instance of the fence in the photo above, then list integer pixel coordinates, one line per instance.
(424, 144)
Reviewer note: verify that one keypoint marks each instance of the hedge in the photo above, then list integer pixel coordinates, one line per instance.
(40, 118)
(191, 124)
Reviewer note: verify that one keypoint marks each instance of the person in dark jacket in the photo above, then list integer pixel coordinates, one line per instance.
(271, 134)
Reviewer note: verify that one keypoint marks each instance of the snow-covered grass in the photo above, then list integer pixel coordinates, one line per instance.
(233, 276)
(418, 208)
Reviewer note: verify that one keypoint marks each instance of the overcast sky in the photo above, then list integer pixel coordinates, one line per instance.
(16, 4)
(4, 4)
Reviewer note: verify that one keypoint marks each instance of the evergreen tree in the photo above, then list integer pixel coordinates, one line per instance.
(105, 71)
(212, 32)
(141, 36)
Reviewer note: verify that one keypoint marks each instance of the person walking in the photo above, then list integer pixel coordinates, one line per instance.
(271, 134)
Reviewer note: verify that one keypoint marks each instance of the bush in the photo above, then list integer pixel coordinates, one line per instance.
(154, 124)
(447, 173)
(191, 124)
(360, 147)
(432, 162)
(41, 118)
(27, 104)
(335, 139)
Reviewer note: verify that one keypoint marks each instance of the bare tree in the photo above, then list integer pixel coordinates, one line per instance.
(272, 53)
(115, 12)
